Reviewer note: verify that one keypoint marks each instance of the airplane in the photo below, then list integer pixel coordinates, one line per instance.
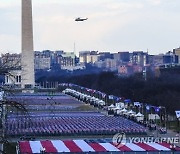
(81, 19)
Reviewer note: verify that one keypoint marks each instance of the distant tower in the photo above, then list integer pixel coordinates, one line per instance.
(27, 61)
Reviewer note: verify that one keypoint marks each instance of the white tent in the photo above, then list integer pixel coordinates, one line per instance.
(82, 95)
(153, 116)
(139, 117)
(130, 112)
(93, 98)
(120, 112)
(124, 110)
(117, 108)
(111, 107)
(88, 97)
(132, 115)
(121, 105)
(118, 105)
(85, 95)
(77, 93)
(97, 100)
(101, 102)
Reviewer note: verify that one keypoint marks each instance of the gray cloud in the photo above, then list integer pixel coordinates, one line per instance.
(113, 25)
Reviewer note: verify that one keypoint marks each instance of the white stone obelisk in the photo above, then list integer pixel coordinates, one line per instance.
(27, 60)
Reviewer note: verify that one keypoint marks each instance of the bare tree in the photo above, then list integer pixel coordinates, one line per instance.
(7, 65)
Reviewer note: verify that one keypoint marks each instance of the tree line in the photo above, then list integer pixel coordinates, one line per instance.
(163, 90)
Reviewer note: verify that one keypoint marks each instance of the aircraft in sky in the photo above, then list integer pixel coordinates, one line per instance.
(81, 19)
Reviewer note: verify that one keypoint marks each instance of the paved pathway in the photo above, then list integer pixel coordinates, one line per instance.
(169, 134)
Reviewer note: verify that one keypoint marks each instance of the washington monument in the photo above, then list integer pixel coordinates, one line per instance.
(27, 61)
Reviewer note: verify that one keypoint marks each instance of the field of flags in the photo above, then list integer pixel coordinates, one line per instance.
(45, 114)
(143, 113)
(56, 115)
(51, 117)
(71, 124)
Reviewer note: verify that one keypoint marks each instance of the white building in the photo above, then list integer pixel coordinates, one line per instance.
(88, 57)
(13, 79)
(42, 63)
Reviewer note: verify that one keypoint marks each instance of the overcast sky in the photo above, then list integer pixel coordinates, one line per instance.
(113, 25)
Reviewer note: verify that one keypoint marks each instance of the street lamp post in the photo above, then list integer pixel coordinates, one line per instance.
(165, 116)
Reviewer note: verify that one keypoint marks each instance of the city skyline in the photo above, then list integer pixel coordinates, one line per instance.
(112, 25)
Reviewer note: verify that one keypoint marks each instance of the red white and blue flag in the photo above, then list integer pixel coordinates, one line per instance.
(75, 146)
(177, 114)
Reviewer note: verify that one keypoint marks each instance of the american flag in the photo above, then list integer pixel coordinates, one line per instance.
(177, 114)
